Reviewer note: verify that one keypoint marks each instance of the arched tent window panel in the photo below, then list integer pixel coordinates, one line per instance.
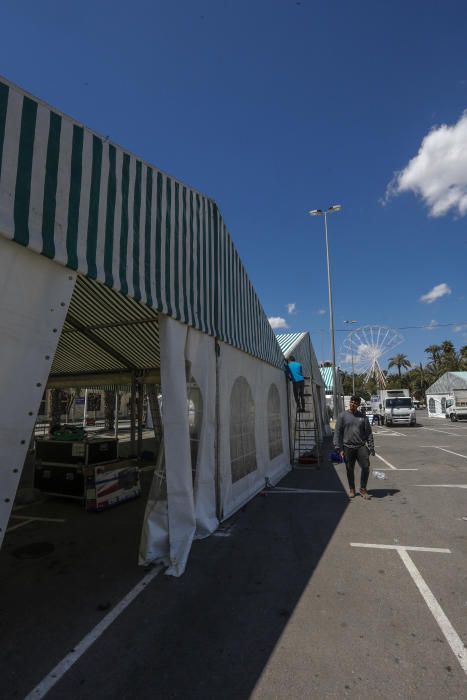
(242, 430)
(431, 405)
(195, 420)
(274, 422)
(443, 404)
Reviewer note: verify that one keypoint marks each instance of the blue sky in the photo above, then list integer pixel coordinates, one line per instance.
(275, 107)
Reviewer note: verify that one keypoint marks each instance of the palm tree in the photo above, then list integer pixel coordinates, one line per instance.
(434, 351)
(399, 361)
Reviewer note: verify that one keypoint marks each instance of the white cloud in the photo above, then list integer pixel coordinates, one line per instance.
(320, 312)
(292, 308)
(438, 291)
(438, 173)
(431, 326)
(460, 327)
(277, 322)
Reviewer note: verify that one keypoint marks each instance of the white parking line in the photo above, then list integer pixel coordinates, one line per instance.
(452, 638)
(70, 659)
(450, 451)
(287, 490)
(446, 486)
(396, 469)
(435, 430)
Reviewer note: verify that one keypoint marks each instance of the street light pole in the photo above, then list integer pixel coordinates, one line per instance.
(351, 353)
(319, 212)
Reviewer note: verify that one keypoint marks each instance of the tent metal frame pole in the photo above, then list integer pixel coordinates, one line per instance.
(140, 417)
(116, 413)
(133, 412)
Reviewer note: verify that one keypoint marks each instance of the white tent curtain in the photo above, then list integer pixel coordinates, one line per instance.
(182, 500)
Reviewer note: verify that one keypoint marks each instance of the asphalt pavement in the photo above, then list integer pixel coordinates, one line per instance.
(302, 594)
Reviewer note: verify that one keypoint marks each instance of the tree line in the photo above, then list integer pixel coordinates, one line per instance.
(417, 378)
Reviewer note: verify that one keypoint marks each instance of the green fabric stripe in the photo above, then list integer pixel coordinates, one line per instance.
(168, 197)
(24, 171)
(205, 264)
(94, 199)
(236, 301)
(124, 223)
(136, 225)
(176, 254)
(50, 186)
(4, 92)
(110, 216)
(76, 172)
(198, 263)
(158, 241)
(147, 237)
(192, 263)
(184, 261)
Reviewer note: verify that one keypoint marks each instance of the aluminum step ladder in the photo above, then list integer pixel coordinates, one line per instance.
(307, 433)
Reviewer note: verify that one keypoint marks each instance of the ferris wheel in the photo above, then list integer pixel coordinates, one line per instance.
(363, 348)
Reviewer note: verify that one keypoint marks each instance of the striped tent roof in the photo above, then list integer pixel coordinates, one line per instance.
(326, 373)
(84, 202)
(449, 381)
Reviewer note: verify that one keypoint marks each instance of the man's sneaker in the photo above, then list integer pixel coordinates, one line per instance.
(351, 493)
(364, 494)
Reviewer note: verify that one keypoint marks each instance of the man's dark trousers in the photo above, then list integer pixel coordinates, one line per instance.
(299, 394)
(362, 456)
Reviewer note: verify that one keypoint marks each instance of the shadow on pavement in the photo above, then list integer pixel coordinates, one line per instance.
(382, 493)
(208, 634)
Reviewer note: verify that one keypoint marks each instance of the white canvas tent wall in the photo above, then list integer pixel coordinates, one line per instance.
(111, 270)
(300, 346)
(442, 390)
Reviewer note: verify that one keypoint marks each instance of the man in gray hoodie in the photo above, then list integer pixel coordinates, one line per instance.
(353, 438)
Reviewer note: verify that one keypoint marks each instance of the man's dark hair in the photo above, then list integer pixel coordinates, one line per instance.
(356, 399)
(292, 358)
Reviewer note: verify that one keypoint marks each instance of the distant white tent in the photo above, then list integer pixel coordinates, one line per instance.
(442, 390)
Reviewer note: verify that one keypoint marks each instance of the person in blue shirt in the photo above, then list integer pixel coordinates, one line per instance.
(294, 372)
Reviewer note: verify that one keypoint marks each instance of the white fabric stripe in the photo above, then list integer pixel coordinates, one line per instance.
(63, 190)
(10, 163)
(221, 291)
(153, 236)
(201, 265)
(182, 279)
(189, 257)
(129, 247)
(142, 235)
(39, 159)
(163, 233)
(118, 219)
(84, 201)
(102, 216)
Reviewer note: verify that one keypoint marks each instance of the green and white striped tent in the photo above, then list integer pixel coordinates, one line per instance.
(300, 346)
(101, 254)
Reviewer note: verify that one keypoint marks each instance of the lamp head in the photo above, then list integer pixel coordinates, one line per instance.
(335, 207)
(315, 212)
